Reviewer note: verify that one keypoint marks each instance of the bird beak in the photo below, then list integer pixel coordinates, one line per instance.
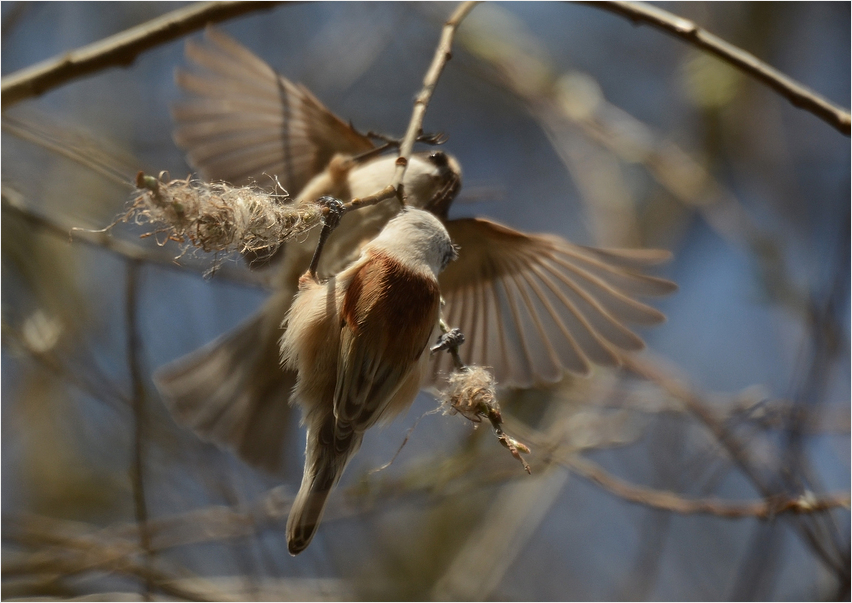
(440, 203)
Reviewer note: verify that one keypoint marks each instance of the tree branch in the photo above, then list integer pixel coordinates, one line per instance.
(769, 486)
(137, 468)
(119, 50)
(797, 94)
(443, 53)
(669, 501)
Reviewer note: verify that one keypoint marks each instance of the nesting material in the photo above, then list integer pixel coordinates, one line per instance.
(220, 217)
(471, 392)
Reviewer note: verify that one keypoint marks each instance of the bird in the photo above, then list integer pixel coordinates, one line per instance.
(357, 342)
(532, 307)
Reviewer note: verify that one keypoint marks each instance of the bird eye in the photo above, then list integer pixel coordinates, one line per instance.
(450, 255)
(439, 158)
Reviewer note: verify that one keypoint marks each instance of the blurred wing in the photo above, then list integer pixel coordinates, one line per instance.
(533, 306)
(233, 391)
(244, 120)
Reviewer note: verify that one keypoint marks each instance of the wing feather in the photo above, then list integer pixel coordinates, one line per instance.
(569, 352)
(603, 295)
(534, 306)
(547, 361)
(538, 349)
(514, 323)
(387, 318)
(243, 120)
(578, 315)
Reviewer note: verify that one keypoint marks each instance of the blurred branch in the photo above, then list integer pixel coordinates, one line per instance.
(65, 548)
(436, 478)
(137, 469)
(752, 405)
(513, 516)
(13, 201)
(669, 501)
(97, 385)
(769, 486)
(562, 103)
(80, 557)
(119, 50)
(443, 53)
(797, 94)
(71, 145)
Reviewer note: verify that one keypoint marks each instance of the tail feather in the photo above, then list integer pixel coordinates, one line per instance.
(327, 457)
(306, 514)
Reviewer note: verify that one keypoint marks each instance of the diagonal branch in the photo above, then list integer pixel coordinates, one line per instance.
(735, 446)
(119, 50)
(797, 94)
(443, 53)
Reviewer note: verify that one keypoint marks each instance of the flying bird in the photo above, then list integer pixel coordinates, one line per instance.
(531, 306)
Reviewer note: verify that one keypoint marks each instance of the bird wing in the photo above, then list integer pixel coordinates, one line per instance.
(233, 391)
(533, 306)
(244, 120)
(388, 316)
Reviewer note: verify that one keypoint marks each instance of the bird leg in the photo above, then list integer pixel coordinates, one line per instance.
(472, 392)
(330, 221)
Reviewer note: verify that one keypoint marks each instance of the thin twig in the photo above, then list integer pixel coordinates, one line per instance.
(669, 501)
(137, 469)
(796, 93)
(119, 50)
(443, 53)
(737, 449)
(78, 148)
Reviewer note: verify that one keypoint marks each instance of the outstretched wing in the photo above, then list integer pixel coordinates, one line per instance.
(243, 120)
(533, 306)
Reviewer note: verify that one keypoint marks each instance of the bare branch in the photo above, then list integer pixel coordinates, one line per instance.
(119, 50)
(443, 53)
(137, 468)
(797, 94)
(669, 501)
(735, 446)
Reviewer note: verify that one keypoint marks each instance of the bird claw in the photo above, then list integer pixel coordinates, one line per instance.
(336, 209)
(452, 339)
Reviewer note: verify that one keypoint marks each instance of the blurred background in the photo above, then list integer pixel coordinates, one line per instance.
(665, 480)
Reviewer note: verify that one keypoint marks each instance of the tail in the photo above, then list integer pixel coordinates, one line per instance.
(327, 455)
(234, 392)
